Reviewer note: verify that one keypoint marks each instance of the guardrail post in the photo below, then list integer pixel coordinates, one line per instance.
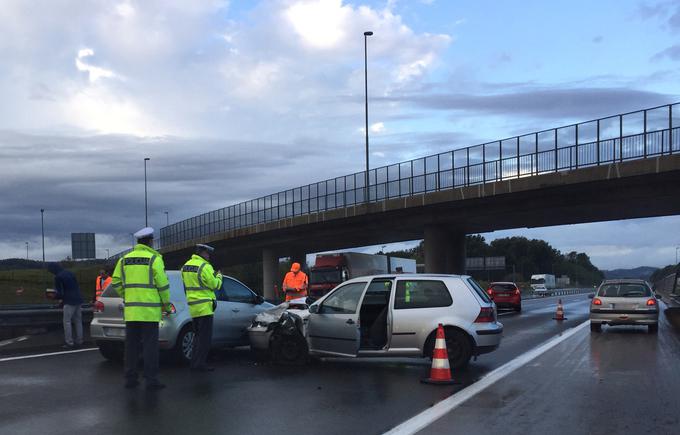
(484, 163)
(645, 132)
(500, 159)
(670, 130)
(467, 168)
(518, 159)
(576, 137)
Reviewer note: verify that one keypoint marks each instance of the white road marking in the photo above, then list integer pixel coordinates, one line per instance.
(442, 408)
(14, 358)
(13, 340)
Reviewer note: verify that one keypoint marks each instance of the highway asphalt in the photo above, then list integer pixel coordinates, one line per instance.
(81, 393)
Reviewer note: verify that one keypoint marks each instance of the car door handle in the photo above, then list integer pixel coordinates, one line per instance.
(236, 310)
(350, 322)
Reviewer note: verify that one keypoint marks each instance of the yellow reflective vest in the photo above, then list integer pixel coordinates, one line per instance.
(139, 278)
(200, 285)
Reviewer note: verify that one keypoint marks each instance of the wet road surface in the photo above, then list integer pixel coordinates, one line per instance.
(621, 381)
(82, 393)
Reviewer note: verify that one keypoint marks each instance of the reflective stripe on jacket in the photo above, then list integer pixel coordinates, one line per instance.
(200, 284)
(139, 278)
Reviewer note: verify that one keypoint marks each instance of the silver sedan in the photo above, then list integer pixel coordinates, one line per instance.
(624, 302)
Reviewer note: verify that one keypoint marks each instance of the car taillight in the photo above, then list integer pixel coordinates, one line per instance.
(98, 307)
(596, 301)
(485, 315)
(517, 291)
(490, 292)
(651, 303)
(173, 310)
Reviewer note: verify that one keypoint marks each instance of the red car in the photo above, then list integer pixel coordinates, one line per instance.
(506, 295)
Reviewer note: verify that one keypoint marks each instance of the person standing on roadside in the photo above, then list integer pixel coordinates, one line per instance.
(140, 279)
(67, 289)
(200, 284)
(295, 283)
(103, 281)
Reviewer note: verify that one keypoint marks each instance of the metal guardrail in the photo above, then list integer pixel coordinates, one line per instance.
(561, 292)
(628, 136)
(35, 315)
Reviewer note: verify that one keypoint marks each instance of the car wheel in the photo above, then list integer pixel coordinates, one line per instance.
(653, 329)
(518, 308)
(112, 351)
(595, 327)
(184, 345)
(260, 355)
(289, 349)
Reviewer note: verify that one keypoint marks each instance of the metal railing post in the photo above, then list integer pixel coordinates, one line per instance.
(576, 137)
(598, 142)
(556, 154)
(500, 159)
(645, 133)
(517, 157)
(467, 167)
(484, 163)
(670, 130)
(620, 138)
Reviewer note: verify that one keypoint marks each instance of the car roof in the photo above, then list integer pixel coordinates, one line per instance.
(406, 275)
(624, 281)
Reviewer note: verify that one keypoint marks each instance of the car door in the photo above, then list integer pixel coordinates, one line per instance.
(235, 311)
(334, 328)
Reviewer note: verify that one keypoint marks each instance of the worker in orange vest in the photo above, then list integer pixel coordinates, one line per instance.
(103, 281)
(295, 283)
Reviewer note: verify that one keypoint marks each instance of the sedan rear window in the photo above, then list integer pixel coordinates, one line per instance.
(480, 292)
(624, 291)
(503, 287)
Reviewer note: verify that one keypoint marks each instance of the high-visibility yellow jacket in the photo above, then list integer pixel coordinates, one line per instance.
(139, 278)
(200, 284)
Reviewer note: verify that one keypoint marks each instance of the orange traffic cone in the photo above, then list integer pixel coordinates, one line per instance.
(559, 315)
(440, 373)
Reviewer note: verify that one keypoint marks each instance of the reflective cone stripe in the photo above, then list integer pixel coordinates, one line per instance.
(440, 373)
(559, 315)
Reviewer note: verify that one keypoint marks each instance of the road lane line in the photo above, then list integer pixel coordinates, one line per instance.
(430, 415)
(14, 358)
(13, 340)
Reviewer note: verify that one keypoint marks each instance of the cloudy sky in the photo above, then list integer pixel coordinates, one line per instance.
(236, 99)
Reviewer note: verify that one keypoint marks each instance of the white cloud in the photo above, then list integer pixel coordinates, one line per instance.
(320, 23)
(95, 73)
(378, 127)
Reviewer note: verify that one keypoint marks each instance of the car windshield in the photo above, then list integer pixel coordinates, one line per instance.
(503, 287)
(538, 280)
(325, 276)
(624, 291)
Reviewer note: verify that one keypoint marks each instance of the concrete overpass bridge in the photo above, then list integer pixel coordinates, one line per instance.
(619, 167)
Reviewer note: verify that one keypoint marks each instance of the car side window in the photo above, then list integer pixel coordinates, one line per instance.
(234, 291)
(421, 294)
(344, 300)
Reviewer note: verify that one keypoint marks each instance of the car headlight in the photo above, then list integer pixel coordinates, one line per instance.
(257, 324)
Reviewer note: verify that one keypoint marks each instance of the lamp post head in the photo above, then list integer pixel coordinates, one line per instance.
(369, 33)
(147, 158)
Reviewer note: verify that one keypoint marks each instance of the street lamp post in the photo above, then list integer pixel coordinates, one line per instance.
(42, 229)
(26, 250)
(676, 254)
(366, 35)
(167, 218)
(146, 210)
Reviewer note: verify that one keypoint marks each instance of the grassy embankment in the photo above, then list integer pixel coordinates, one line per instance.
(35, 281)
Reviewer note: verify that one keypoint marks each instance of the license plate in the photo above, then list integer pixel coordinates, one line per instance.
(114, 332)
(503, 295)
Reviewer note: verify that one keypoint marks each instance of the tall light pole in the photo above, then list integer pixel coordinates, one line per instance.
(42, 229)
(676, 254)
(146, 209)
(366, 35)
(26, 250)
(167, 218)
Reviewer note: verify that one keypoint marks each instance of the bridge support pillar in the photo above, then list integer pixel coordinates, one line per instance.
(270, 274)
(444, 250)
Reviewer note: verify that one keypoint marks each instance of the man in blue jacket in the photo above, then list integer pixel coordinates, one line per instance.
(66, 286)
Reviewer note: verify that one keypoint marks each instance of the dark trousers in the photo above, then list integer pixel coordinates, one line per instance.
(144, 335)
(203, 327)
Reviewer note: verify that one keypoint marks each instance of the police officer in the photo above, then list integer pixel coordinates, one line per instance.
(200, 283)
(139, 278)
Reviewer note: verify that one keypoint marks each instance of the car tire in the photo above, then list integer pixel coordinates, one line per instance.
(653, 329)
(595, 327)
(518, 308)
(111, 350)
(289, 349)
(260, 355)
(183, 346)
(458, 347)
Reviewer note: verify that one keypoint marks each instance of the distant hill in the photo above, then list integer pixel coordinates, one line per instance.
(642, 272)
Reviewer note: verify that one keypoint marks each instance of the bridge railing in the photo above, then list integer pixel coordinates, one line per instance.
(628, 136)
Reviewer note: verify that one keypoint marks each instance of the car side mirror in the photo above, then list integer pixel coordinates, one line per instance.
(591, 296)
(259, 299)
(314, 309)
(658, 296)
(310, 300)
